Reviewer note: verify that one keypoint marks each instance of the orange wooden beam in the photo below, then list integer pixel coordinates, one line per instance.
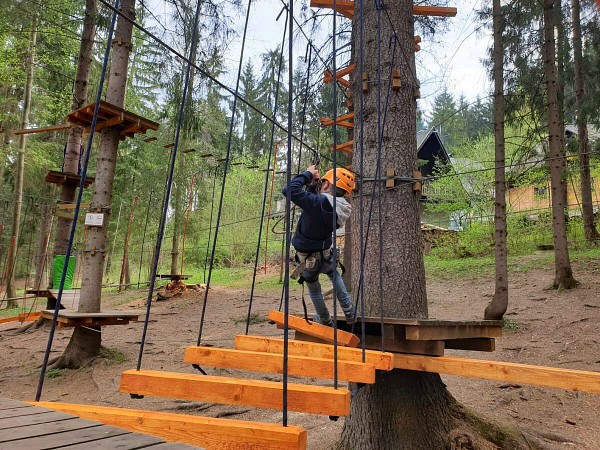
(345, 147)
(438, 11)
(328, 77)
(346, 8)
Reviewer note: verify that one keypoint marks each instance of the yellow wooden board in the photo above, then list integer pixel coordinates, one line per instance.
(315, 329)
(210, 433)
(380, 360)
(236, 391)
(303, 366)
(573, 380)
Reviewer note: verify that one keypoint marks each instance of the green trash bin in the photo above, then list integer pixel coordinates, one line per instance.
(57, 268)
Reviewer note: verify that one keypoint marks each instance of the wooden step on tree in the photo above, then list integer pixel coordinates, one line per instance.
(322, 332)
(237, 391)
(257, 361)
(207, 432)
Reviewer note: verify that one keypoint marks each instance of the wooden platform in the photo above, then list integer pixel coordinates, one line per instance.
(24, 426)
(237, 391)
(69, 318)
(257, 361)
(322, 332)
(111, 116)
(346, 8)
(426, 336)
(166, 276)
(60, 178)
(207, 432)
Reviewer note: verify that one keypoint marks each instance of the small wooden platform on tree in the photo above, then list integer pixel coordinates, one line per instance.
(379, 360)
(237, 391)
(322, 332)
(208, 432)
(303, 366)
(69, 318)
(29, 426)
(111, 116)
(574, 380)
(60, 178)
(346, 8)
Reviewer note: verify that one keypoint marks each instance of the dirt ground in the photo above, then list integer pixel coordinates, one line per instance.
(547, 327)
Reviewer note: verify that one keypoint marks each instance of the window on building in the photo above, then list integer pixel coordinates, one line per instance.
(540, 192)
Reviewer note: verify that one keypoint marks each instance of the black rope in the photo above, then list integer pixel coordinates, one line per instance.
(334, 179)
(203, 72)
(163, 218)
(267, 174)
(144, 236)
(210, 227)
(288, 199)
(225, 170)
(88, 152)
(362, 164)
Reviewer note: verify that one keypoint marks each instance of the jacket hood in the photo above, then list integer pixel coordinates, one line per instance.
(343, 209)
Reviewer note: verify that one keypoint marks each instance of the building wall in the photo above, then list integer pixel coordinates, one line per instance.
(528, 198)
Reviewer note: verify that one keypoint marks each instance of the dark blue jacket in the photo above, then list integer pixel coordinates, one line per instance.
(315, 226)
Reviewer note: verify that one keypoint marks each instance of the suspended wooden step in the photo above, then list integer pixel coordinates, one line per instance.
(71, 206)
(304, 366)
(341, 121)
(317, 330)
(60, 178)
(50, 129)
(379, 360)
(237, 391)
(207, 432)
(346, 8)
(346, 147)
(68, 318)
(111, 116)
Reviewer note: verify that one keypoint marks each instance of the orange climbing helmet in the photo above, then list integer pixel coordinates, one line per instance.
(344, 179)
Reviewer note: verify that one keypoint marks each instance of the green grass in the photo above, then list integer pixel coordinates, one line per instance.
(113, 355)
(54, 373)
(11, 312)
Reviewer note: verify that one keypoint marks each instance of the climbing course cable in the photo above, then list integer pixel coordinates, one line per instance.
(361, 142)
(225, 169)
(86, 161)
(265, 187)
(288, 229)
(163, 218)
(334, 260)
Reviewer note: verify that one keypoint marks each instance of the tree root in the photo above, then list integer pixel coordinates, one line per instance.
(32, 326)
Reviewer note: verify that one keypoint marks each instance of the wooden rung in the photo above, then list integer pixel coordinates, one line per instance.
(345, 147)
(573, 380)
(236, 391)
(207, 432)
(43, 130)
(328, 77)
(71, 206)
(303, 366)
(379, 360)
(439, 11)
(315, 329)
(326, 122)
(417, 39)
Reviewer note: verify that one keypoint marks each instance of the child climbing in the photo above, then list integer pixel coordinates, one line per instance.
(313, 237)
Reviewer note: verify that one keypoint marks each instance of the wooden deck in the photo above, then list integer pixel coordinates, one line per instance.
(59, 178)
(70, 318)
(31, 427)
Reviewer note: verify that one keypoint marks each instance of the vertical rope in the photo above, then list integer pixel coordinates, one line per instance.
(288, 198)
(335, 151)
(88, 152)
(226, 168)
(358, 83)
(378, 177)
(163, 218)
(265, 187)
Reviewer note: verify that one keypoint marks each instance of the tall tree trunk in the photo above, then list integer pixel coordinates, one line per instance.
(561, 53)
(19, 170)
(41, 251)
(563, 277)
(125, 276)
(587, 207)
(85, 342)
(74, 140)
(496, 309)
(403, 410)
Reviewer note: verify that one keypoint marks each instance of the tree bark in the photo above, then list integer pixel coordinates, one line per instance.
(125, 276)
(74, 140)
(497, 307)
(563, 277)
(589, 225)
(19, 170)
(561, 47)
(85, 343)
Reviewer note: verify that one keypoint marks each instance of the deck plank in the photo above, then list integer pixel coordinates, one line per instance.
(42, 417)
(68, 437)
(45, 429)
(129, 441)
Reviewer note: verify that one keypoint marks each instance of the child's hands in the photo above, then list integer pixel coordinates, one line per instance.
(315, 172)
